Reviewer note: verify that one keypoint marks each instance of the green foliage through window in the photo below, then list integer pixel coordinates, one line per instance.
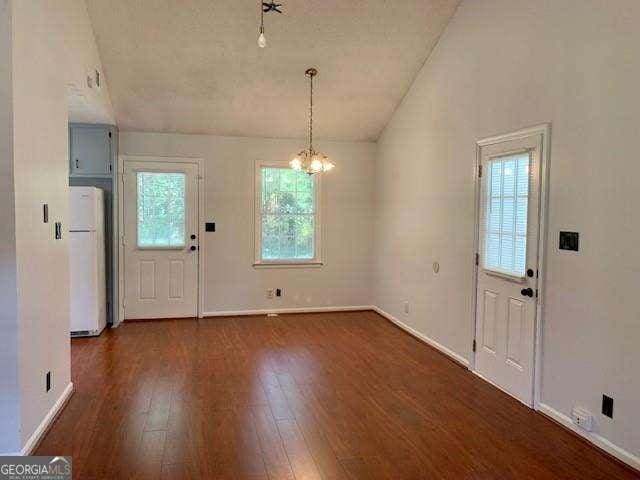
(287, 214)
(161, 203)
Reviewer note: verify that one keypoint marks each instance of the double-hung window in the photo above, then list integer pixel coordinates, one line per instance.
(287, 216)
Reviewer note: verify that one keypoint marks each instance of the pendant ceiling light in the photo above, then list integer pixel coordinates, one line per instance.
(310, 161)
(266, 8)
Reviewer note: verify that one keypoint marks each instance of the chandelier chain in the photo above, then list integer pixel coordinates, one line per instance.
(311, 116)
(309, 161)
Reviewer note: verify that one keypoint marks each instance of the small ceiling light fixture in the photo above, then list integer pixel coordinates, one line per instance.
(266, 8)
(309, 161)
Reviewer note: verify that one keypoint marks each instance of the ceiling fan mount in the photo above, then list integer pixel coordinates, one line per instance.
(271, 7)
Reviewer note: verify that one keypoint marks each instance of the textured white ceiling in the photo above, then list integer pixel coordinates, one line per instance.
(193, 66)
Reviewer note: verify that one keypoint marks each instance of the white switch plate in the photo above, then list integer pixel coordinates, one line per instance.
(406, 307)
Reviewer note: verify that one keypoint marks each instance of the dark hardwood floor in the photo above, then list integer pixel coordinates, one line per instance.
(316, 396)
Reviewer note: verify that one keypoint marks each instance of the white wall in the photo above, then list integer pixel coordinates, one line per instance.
(52, 47)
(231, 282)
(9, 387)
(499, 66)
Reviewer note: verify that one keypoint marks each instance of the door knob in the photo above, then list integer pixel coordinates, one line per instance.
(193, 248)
(527, 292)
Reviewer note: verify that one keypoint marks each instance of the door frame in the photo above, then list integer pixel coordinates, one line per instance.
(544, 130)
(199, 162)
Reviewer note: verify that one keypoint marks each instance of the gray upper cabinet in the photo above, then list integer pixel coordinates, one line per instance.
(91, 150)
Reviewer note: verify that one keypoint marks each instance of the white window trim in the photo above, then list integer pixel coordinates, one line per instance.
(314, 262)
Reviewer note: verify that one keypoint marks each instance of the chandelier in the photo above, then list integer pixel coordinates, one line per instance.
(309, 161)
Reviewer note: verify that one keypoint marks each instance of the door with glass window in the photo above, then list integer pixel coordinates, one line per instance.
(160, 238)
(507, 277)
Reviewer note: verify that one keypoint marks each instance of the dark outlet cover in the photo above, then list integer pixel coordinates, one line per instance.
(210, 227)
(607, 406)
(278, 292)
(569, 241)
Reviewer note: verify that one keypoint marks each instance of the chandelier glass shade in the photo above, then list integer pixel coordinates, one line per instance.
(308, 160)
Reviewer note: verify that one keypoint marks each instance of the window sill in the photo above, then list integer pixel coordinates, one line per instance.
(261, 265)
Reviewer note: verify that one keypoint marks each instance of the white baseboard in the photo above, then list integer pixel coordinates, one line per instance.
(450, 353)
(598, 440)
(232, 313)
(48, 420)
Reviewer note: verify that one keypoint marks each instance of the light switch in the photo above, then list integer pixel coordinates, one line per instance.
(569, 241)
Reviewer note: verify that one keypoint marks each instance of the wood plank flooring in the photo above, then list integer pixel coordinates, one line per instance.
(331, 396)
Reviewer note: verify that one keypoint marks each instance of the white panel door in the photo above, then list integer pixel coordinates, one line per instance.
(508, 264)
(160, 239)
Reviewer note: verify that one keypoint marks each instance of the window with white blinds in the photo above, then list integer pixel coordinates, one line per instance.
(505, 205)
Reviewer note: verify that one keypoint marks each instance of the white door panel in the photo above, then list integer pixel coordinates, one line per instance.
(516, 319)
(161, 244)
(489, 333)
(507, 267)
(176, 279)
(147, 280)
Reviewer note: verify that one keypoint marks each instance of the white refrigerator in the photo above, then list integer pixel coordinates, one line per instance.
(87, 261)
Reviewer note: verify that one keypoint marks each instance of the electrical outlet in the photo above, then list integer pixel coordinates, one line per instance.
(270, 293)
(278, 292)
(607, 406)
(406, 307)
(582, 418)
(48, 381)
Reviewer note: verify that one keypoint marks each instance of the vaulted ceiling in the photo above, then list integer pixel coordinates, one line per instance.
(193, 66)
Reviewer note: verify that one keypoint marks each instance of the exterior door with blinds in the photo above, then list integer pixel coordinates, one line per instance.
(160, 202)
(508, 228)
